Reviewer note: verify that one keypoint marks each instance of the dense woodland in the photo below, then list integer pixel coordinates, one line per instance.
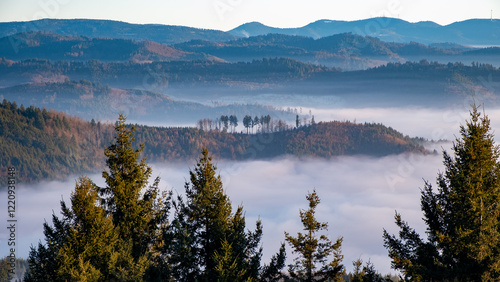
(78, 48)
(209, 72)
(344, 45)
(182, 73)
(45, 144)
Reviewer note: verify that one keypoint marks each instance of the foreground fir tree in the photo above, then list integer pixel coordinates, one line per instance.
(207, 241)
(108, 234)
(462, 216)
(138, 211)
(315, 251)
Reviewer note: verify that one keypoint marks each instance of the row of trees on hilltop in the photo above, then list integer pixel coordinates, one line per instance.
(264, 124)
(224, 123)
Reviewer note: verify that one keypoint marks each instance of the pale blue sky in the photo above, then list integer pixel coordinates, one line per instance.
(227, 14)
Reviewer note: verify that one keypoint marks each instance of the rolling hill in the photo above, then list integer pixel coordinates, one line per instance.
(409, 83)
(165, 34)
(80, 48)
(346, 50)
(45, 144)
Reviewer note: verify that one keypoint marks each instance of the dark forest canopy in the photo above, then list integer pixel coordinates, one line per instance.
(159, 74)
(41, 144)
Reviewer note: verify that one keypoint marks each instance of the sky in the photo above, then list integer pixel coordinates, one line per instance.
(228, 14)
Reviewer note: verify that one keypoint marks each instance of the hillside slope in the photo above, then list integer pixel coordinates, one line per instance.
(44, 144)
(79, 48)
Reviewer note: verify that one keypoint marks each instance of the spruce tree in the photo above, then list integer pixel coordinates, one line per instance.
(207, 241)
(110, 233)
(43, 265)
(272, 272)
(314, 251)
(91, 238)
(462, 216)
(136, 209)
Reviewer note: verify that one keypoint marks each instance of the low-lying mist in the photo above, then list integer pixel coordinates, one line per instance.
(428, 123)
(359, 195)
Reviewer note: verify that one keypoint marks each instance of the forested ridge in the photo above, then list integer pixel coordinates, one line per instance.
(324, 139)
(160, 74)
(278, 75)
(45, 144)
(348, 51)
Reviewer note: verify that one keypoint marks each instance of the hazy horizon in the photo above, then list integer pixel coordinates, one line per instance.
(228, 14)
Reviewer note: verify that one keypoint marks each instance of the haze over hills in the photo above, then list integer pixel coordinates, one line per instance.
(469, 32)
(346, 51)
(95, 101)
(206, 66)
(64, 82)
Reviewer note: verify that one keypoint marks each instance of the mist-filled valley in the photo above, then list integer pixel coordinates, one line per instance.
(359, 194)
(360, 117)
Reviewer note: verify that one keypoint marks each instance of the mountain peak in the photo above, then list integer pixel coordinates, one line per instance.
(252, 29)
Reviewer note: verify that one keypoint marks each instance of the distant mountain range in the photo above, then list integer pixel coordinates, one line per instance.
(469, 32)
(165, 34)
